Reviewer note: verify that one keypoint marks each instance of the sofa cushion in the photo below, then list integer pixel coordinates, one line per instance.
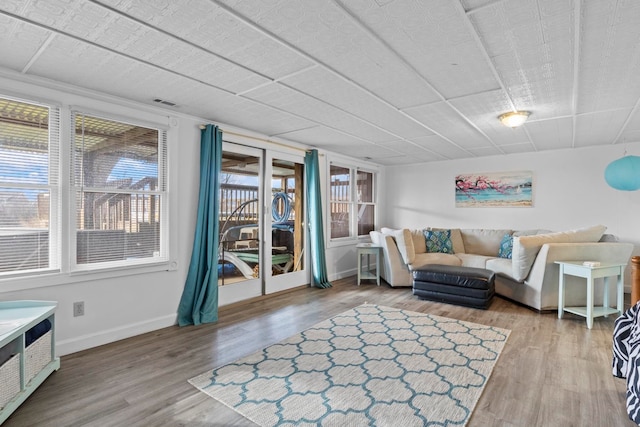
(482, 241)
(501, 266)
(419, 244)
(531, 232)
(404, 242)
(434, 258)
(471, 260)
(506, 246)
(526, 248)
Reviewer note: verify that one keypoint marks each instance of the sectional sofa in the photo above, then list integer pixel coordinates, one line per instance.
(524, 260)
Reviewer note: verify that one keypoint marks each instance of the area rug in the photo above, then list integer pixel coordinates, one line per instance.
(372, 365)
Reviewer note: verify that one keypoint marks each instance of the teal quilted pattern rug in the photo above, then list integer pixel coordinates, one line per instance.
(372, 365)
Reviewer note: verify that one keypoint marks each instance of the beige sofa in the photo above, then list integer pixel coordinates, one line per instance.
(529, 277)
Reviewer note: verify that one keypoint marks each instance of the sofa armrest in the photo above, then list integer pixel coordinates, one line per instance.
(394, 271)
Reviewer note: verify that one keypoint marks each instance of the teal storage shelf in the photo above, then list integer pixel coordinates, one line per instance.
(28, 366)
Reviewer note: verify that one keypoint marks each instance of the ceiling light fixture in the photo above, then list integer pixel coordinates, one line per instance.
(513, 119)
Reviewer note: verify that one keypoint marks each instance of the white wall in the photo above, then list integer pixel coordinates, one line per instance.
(139, 300)
(136, 301)
(569, 192)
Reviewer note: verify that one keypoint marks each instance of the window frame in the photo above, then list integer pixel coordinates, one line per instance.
(63, 217)
(53, 185)
(373, 201)
(163, 182)
(353, 202)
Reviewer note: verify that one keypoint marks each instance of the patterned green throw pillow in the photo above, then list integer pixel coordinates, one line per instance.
(506, 246)
(439, 241)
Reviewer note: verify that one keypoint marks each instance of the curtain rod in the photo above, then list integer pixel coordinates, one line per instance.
(202, 127)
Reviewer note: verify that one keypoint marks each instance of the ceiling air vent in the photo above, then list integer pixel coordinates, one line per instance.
(165, 102)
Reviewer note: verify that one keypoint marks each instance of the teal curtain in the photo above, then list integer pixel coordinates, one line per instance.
(199, 302)
(314, 217)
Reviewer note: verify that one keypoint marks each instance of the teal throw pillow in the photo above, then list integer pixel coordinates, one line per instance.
(506, 246)
(439, 241)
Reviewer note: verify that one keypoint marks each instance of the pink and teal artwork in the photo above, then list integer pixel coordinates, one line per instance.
(495, 189)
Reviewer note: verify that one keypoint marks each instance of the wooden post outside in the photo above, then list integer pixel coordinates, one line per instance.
(635, 280)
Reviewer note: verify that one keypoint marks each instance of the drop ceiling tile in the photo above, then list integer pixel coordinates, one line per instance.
(631, 132)
(326, 86)
(551, 134)
(444, 121)
(463, 70)
(321, 136)
(557, 19)
(508, 27)
(54, 13)
(328, 35)
(418, 46)
(610, 56)
(399, 161)
(540, 79)
(107, 28)
(312, 109)
(391, 81)
(141, 82)
(483, 109)
(19, 42)
(412, 149)
(442, 148)
(368, 152)
(206, 24)
(115, 74)
(12, 6)
(630, 136)
(599, 128)
(485, 151)
(505, 28)
(470, 5)
(524, 147)
(434, 38)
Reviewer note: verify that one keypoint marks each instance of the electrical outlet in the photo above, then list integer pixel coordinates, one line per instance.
(78, 308)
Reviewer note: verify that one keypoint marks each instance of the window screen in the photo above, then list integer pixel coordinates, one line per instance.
(29, 194)
(118, 177)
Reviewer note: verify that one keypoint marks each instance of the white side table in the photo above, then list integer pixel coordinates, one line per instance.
(364, 270)
(576, 268)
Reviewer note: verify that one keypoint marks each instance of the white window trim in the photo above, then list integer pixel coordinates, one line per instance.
(61, 273)
(71, 264)
(353, 221)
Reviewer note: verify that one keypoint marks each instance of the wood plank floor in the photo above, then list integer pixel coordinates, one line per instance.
(551, 373)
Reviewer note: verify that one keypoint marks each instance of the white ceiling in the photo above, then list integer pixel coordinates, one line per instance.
(392, 81)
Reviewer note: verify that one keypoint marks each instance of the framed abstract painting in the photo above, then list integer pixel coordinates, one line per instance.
(495, 189)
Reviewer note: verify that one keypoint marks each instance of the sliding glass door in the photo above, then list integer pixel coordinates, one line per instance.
(240, 251)
(262, 233)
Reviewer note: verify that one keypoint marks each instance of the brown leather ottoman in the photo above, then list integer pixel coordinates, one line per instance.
(471, 287)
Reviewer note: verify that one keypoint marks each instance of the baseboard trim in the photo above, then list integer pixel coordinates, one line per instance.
(343, 274)
(231, 307)
(84, 342)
